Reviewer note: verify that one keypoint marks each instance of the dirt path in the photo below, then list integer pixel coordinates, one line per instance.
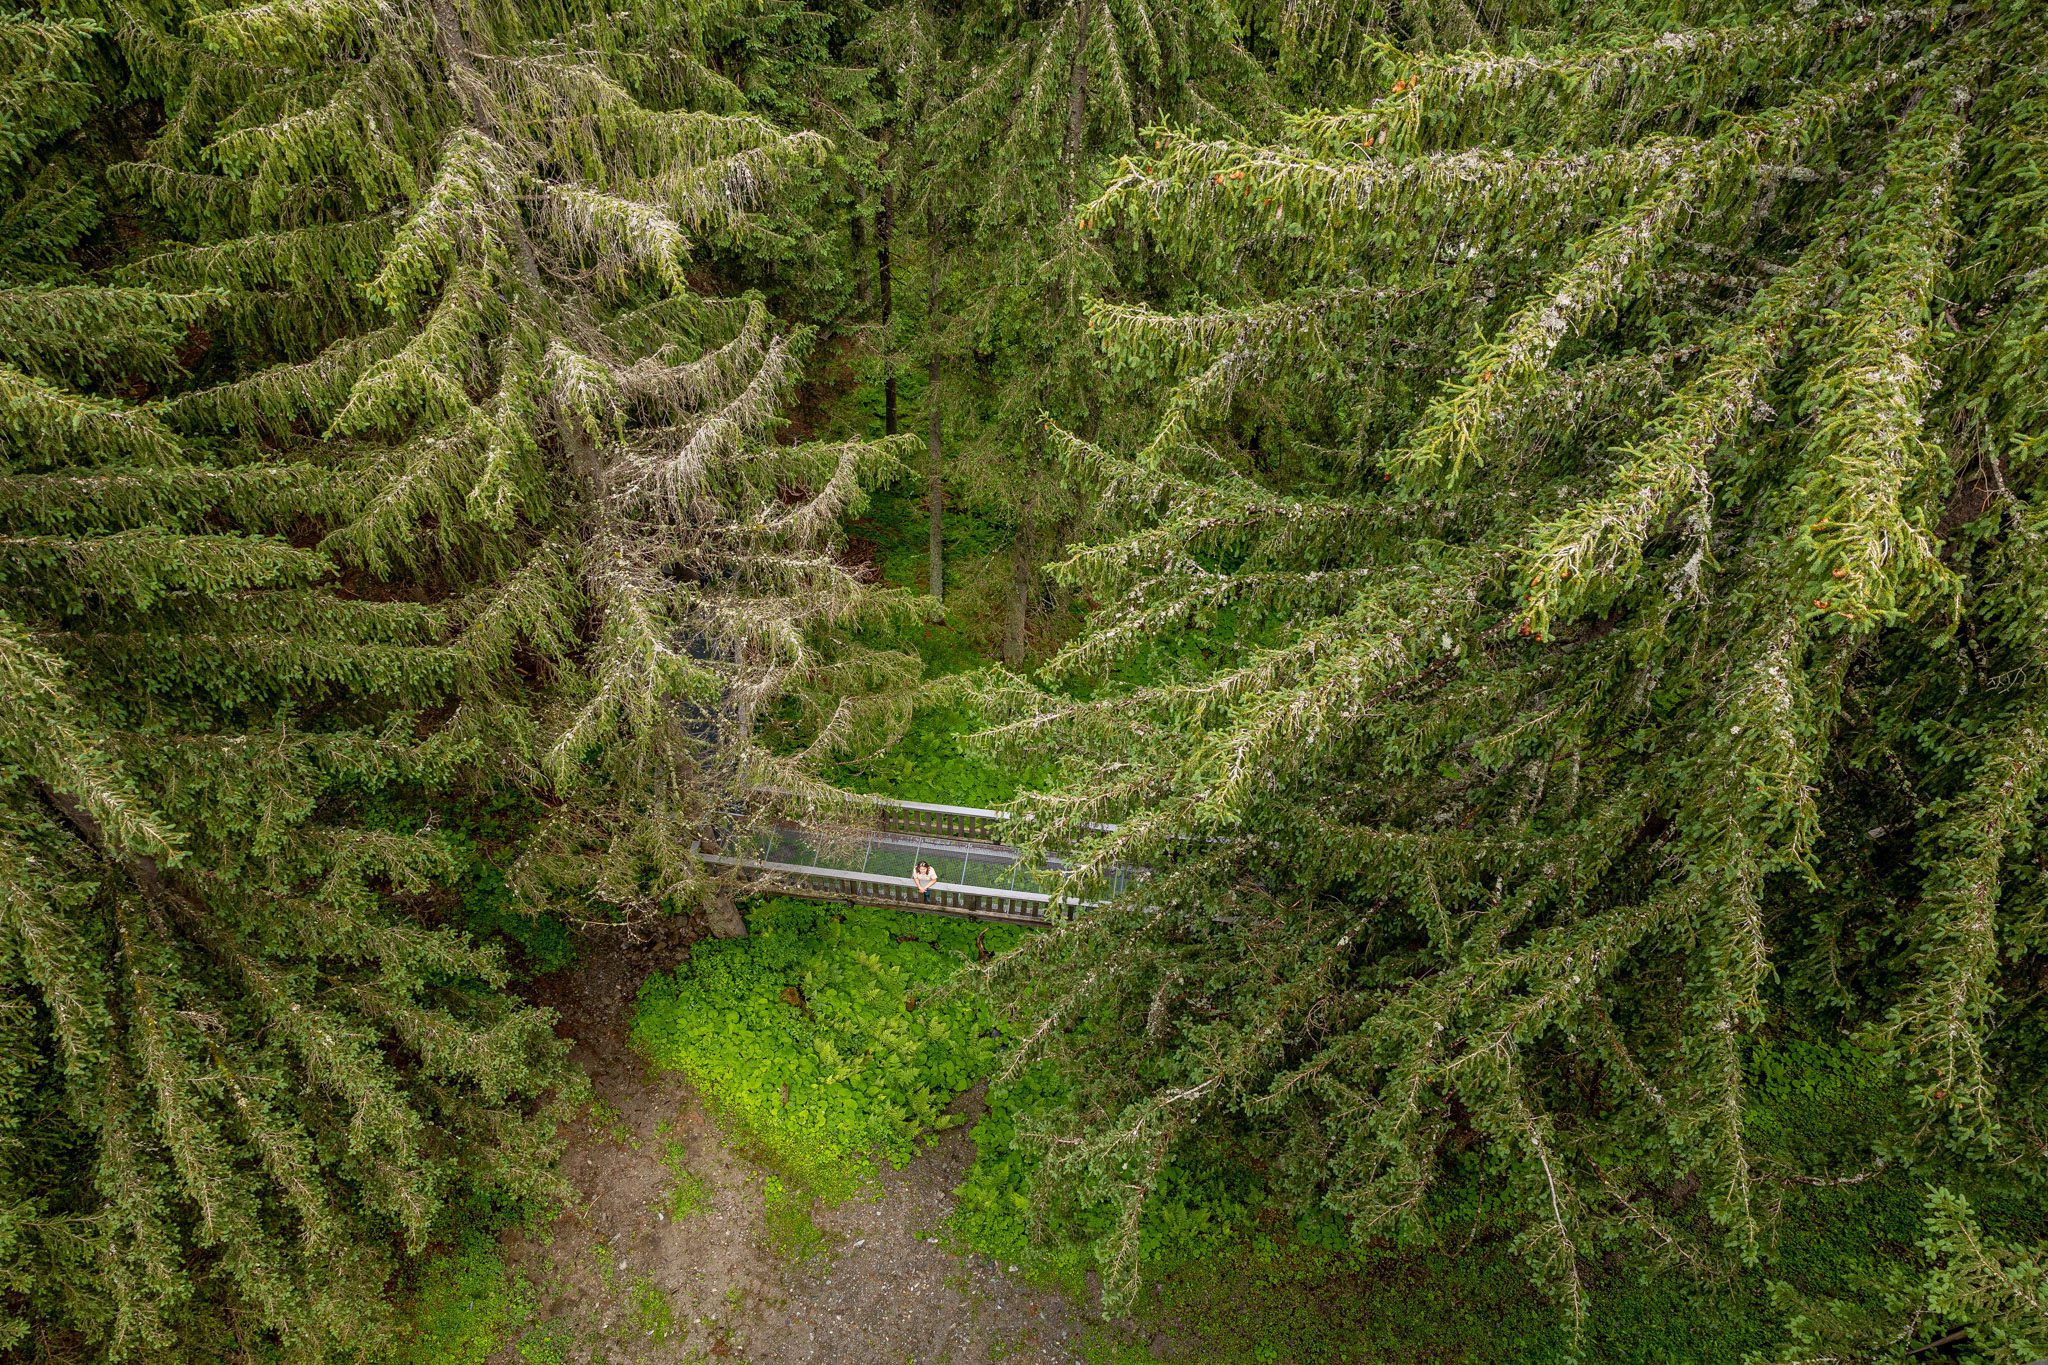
(620, 1280)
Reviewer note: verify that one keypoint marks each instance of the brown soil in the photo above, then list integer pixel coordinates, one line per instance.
(618, 1280)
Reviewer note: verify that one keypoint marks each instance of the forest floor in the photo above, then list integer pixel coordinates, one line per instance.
(674, 1251)
(618, 1279)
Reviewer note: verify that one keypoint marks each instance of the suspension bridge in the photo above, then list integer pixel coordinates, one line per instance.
(980, 876)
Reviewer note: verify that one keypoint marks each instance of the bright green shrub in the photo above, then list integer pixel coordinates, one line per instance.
(466, 1306)
(992, 1207)
(818, 1035)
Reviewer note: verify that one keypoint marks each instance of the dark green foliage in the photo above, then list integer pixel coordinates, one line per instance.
(489, 832)
(1237, 1272)
(1565, 635)
(377, 461)
(1001, 120)
(245, 1066)
(1616, 460)
(1006, 1210)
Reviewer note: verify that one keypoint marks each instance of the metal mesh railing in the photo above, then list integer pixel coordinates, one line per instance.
(978, 876)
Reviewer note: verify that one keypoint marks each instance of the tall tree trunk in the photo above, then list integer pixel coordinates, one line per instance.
(935, 487)
(885, 231)
(1077, 104)
(857, 238)
(1060, 596)
(1018, 608)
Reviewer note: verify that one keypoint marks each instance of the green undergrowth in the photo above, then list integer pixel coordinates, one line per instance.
(1230, 1280)
(689, 1192)
(1198, 1208)
(932, 763)
(786, 1218)
(895, 531)
(466, 1306)
(481, 838)
(933, 760)
(817, 1037)
(893, 534)
(820, 1039)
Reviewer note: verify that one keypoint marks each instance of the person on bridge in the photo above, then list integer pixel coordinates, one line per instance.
(926, 876)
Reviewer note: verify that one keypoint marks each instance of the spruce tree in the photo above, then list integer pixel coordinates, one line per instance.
(1602, 478)
(1034, 107)
(903, 48)
(405, 465)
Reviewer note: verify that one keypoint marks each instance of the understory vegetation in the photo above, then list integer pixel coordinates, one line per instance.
(1236, 1272)
(1501, 546)
(817, 1036)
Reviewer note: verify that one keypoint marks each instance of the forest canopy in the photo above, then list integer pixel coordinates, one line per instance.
(1523, 521)
(1607, 475)
(398, 463)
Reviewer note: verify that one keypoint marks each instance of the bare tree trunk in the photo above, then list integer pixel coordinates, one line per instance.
(885, 231)
(141, 866)
(1077, 104)
(857, 236)
(1018, 607)
(935, 489)
(1060, 596)
(935, 486)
